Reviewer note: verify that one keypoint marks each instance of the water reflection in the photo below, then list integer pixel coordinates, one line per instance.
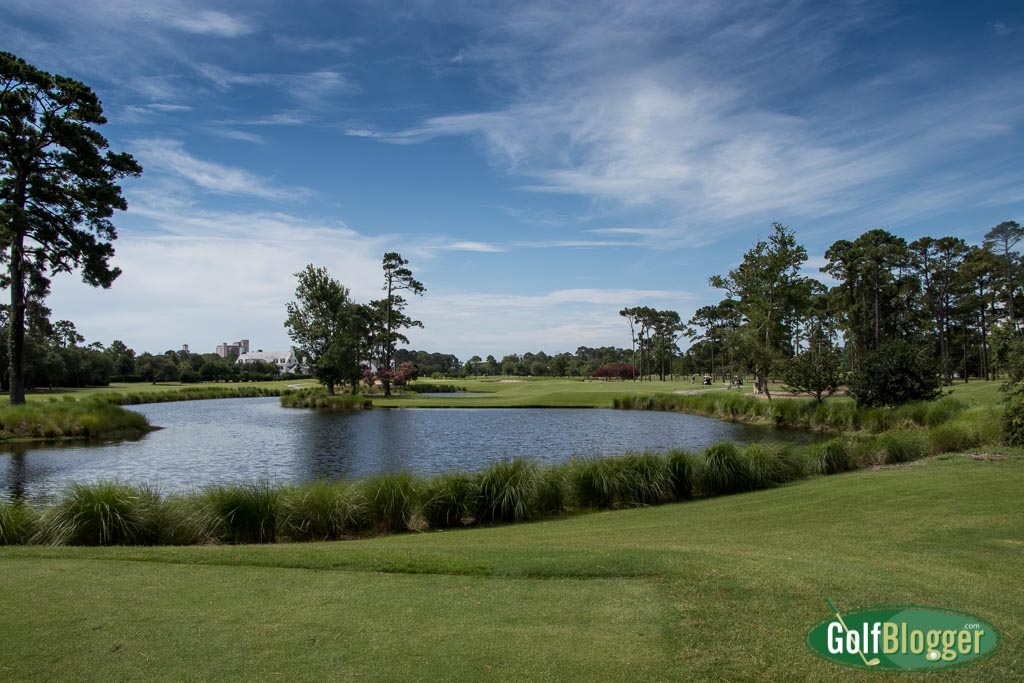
(222, 441)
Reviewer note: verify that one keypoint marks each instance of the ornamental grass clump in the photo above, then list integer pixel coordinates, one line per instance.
(772, 464)
(506, 491)
(553, 494)
(323, 511)
(723, 470)
(240, 513)
(830, 457)
(648, 480)
(18, 523)
(682, 464)
(903, 446)
(953, 437)
(599, 483)
(105, 513)
(390, 501)
(448, 499)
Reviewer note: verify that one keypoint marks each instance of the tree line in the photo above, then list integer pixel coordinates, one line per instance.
(902, 319)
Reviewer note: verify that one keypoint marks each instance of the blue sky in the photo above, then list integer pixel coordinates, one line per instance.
(541, 164)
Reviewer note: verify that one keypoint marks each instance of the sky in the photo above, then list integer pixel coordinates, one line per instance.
(540, 164)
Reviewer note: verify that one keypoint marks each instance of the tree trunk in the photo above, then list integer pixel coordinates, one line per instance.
(16, 340)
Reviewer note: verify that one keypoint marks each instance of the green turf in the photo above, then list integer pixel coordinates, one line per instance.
(719, 589)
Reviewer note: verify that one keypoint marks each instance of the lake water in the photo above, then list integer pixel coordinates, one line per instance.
(235, 440)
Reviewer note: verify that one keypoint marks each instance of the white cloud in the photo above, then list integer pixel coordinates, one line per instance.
(170, 156)
(210, 22)
(483, 247)
(203, 277)
(472, 323)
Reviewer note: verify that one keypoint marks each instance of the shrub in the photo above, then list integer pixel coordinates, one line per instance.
(724, 470)
(772, 464)
(390, 500)
(448, 499)
(17, 523)
(505, 491)
(240, 513)
(322, 511)
(903, 446)
(106, 513)
(1013, 421)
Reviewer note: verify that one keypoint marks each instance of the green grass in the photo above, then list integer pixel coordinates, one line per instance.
(717, 589)
(58, 420)
(317, 398)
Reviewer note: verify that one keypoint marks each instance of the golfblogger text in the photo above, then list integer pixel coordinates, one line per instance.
(890, 638)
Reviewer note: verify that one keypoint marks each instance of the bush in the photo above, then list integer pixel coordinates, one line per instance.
(897, 373)
(448, 499)
(724, 470)
(240, 513)
(18, 523)
(390, 500)
(106, 513)
(323, 511)
(506, 490)
(772, 464)
(1013, 422)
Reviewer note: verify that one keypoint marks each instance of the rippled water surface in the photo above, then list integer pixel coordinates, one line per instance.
(227, 440)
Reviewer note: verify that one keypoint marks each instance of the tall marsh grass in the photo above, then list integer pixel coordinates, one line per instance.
(506, 491)
(112, 513)
(106, 513)
(800, 413)
(317, 398)
(240, 513)
(69, 419)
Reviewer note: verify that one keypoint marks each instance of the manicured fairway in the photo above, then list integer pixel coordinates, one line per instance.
(718, 589)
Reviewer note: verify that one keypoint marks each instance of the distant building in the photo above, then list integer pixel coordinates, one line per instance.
(285, 361)
(184, 348)
(237, 348)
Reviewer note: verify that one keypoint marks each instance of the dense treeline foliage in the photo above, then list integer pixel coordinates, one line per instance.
(902, 319)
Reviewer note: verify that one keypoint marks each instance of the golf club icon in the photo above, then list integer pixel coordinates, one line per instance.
(867, 662)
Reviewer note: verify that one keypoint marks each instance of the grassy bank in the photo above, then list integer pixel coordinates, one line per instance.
(55, 420)
(111, 513)
(317, 397)
(715, 589)
(982, 419)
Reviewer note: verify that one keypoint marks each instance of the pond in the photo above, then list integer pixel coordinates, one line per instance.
(237, 440)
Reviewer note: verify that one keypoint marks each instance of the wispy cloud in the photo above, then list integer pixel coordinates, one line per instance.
(483, 247)
(309, 87)
(690, 110)
(170, 156)
(208, 22)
